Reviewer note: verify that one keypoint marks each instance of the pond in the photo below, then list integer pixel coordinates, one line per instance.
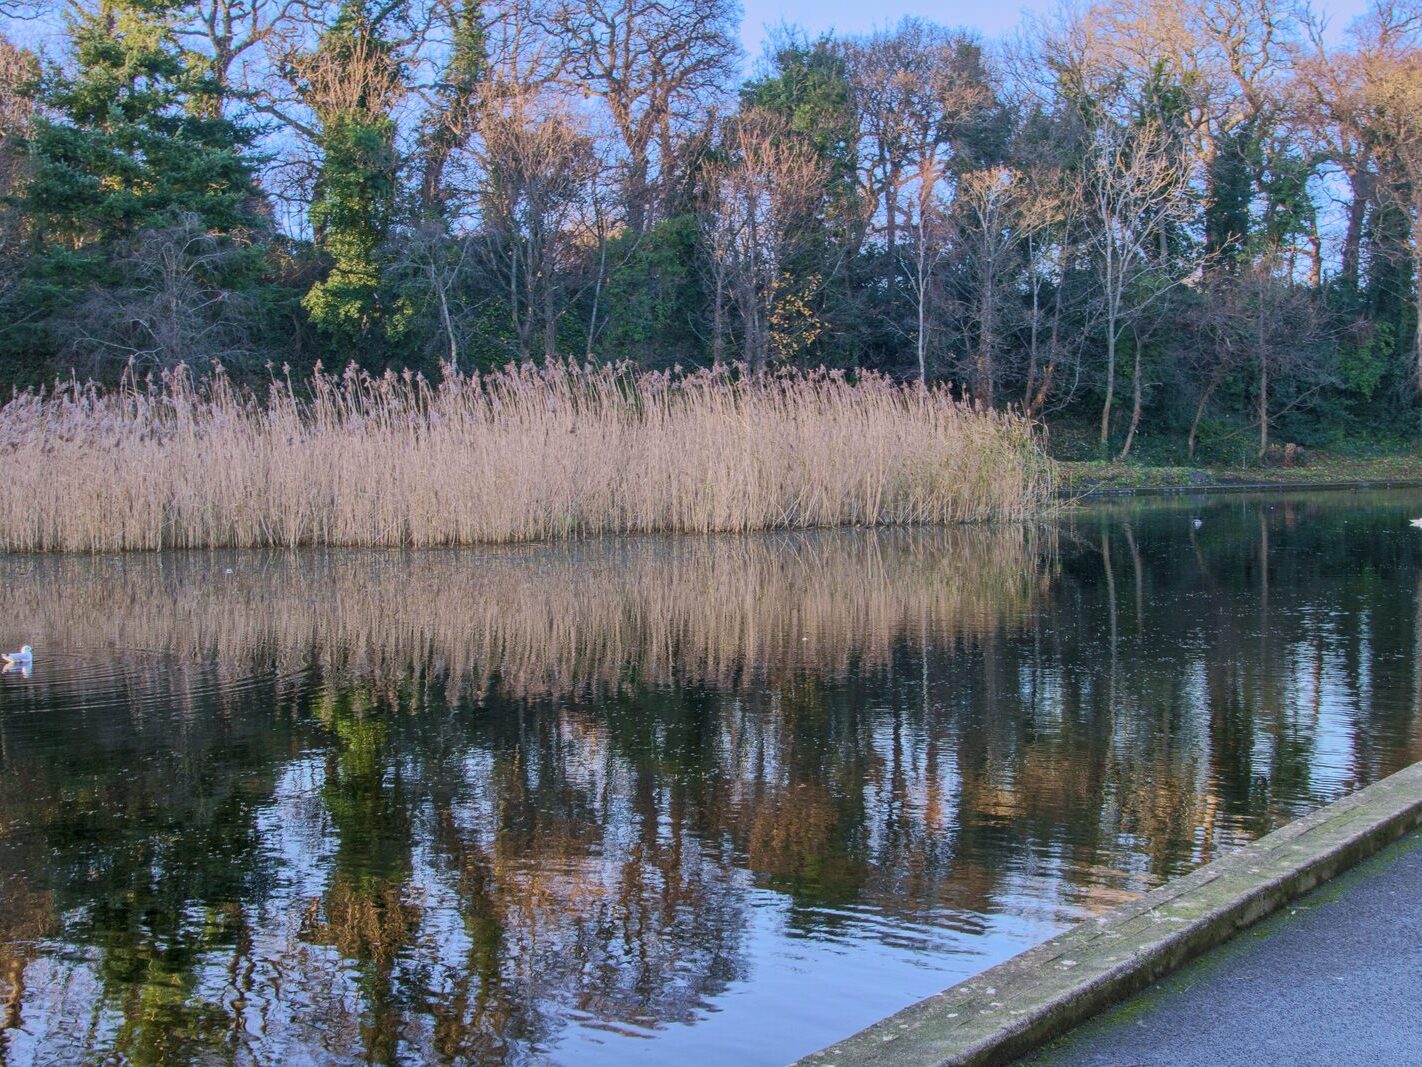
(651, 800)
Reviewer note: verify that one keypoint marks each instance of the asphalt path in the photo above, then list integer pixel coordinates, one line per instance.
(1333, 979)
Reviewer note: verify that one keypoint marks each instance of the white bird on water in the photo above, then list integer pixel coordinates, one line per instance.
(22, 658)
(1417, 523)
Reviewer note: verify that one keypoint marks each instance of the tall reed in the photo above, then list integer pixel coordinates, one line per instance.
(522, 454)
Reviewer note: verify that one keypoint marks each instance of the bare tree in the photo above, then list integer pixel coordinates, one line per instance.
(175, 307)
(356, 74)
(1053, 232)
(232, 35)
(1212, 352)
(1214, 68)
(425, 260)
(536, 164)
(929, 248)
(755, 212)
(470, 45)
(918, 89)
(1136, 192)
(1386, 72)
(654, 64)
(1259, 318)
(1326, 102)
(995, 219)
(451, 103)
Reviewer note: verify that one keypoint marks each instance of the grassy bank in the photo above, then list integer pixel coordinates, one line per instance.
(1321, 469)
(520, 455)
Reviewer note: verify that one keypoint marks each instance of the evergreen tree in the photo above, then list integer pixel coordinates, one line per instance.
(128, 145)
(128, 142)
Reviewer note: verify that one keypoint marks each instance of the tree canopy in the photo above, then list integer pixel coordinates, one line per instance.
(1199, 226)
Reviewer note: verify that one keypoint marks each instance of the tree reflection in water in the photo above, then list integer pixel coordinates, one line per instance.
(485, 806)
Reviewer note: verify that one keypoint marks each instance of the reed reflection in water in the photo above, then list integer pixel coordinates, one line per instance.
(652, 799)
(559, 622)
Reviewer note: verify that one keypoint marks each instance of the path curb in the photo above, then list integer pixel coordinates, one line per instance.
(1013, 1008)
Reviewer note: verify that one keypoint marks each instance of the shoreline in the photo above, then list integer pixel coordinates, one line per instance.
(1014, 1008)
(1335, 485)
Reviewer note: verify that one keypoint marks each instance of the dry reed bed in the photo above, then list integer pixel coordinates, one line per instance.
(519, 455)
(534, 622)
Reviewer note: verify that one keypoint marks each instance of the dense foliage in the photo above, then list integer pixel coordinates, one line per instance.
(1194, 225)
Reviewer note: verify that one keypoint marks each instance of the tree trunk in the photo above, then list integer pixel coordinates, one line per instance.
(1357, 215)
(636, 193)
(550, 325)
(432, 178)
(1263, 406)
(891, 238)
(1315, 257)
(1200, 417)
(521, 322)
(752, 342)
(987, 342)
(1417, 341)
(922, 341)
(1053, 347)
(597, 294)
(448, 322)
(1417, 289)
(1135, 403)
(1033, 332)
(922, 349)
(1110, 378)
(718, 322)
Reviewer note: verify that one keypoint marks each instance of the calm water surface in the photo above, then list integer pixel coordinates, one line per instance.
(720, 800)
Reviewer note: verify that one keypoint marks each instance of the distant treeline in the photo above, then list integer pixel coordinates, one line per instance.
(1186, 221)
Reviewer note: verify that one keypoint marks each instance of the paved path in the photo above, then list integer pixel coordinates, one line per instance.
(1334, 979)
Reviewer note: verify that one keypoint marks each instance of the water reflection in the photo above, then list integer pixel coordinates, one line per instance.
(728, 798)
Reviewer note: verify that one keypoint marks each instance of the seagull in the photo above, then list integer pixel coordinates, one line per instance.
(22, 658)
(1417, 523)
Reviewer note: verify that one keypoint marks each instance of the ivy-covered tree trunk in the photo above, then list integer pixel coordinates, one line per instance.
(351, 82)
(351, 217)
(452, 120)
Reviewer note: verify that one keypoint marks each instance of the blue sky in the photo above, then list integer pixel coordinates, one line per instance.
(862, 16)
(846, 17)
